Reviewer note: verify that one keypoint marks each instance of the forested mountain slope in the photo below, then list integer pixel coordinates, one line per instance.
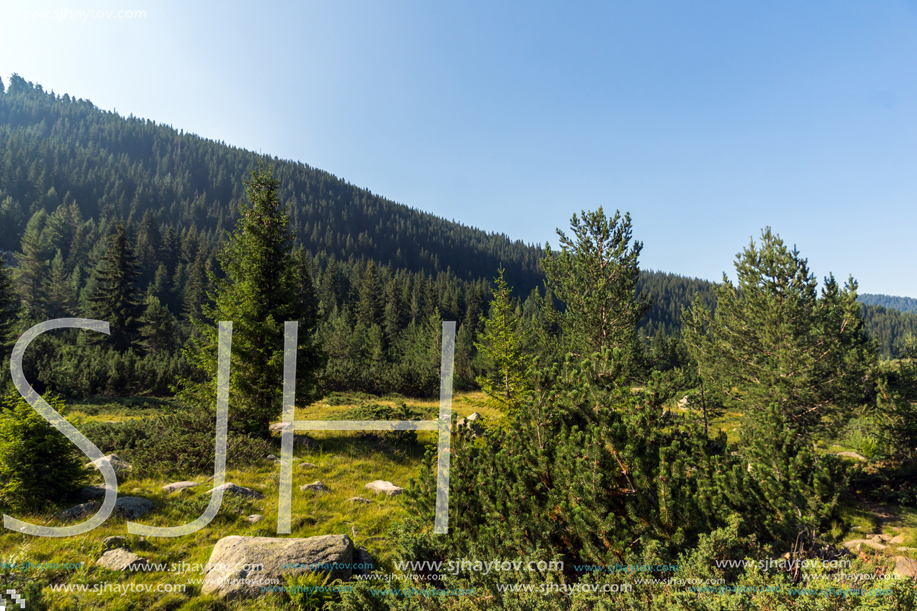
(57, 149)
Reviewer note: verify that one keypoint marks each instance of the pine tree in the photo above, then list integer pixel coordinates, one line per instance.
(261, 291)
(116, 297)
(595, 275)
(773, 339)
(9, 309)
(500, 346)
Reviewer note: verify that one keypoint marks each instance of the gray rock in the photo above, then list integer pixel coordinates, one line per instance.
(231, 488)
(315, 486)
(306, 465)
(93, 492)
(360, 499)
(472, 424)
(130, 507)
(79, 511)
(239, 566)
(905, 567)
(121, 560)
(853, 455)
(175, 487)
(857, 544)
(363, 561)
(116, 462)
(272, 458)
(684, 401)
(382, 486)
(304, 441)
(255, 517)
(277, 428)
(897, 539)
(116, 542)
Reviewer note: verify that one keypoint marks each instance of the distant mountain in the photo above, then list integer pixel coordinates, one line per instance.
(902, 304)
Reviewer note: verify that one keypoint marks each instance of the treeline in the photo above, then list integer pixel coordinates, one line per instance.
(384, 274)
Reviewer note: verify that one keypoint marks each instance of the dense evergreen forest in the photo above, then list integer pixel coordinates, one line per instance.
(902, 304)
(82, 190)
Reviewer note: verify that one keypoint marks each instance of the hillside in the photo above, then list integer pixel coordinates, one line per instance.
(70, 171)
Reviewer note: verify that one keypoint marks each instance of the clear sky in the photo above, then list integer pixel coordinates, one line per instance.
(706, 120)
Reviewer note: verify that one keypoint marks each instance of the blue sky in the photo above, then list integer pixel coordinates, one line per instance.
(706, 120)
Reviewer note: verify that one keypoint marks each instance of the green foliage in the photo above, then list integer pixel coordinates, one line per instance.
(311, 591)
(595, 276)
(773, 339)
(375, 411)
(260, 292)
(501, 348)
(37, 463)
(117, 298)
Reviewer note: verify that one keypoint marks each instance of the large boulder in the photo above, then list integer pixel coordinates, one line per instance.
(239, 567)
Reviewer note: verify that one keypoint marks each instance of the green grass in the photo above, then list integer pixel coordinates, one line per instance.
(344, 461)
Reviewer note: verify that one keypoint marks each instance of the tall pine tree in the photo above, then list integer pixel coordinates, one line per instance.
(262, 290)
(116, 297)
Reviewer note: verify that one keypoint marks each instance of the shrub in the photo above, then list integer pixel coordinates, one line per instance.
(38, 464)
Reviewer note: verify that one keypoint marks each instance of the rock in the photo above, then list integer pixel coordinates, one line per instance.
(315, 486)
(907, 549)
(304, 441)
(364, 564)
(115, 542)
(130, 507)
(684, 401)
(86, 509)
(231, 488)
(857, 544)
(853, 455)
(359, 499)
(277, 427)
(179, 486)
(905, 567)
(121, 560)
(306, 465)
(93, 492)
(471, 424)
(897, 539)
(240, 566)
(381, 486)
(882, 538)
(117, 464)
(272, 458)
(255, 517)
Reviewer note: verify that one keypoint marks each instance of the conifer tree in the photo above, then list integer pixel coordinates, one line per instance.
(500, 346)
(595, 275)
(116, 297)
(774, 339)
(261, 291)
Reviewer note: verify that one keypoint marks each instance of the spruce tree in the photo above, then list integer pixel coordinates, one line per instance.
(116, 297)
(774, 340)
(260, 292)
